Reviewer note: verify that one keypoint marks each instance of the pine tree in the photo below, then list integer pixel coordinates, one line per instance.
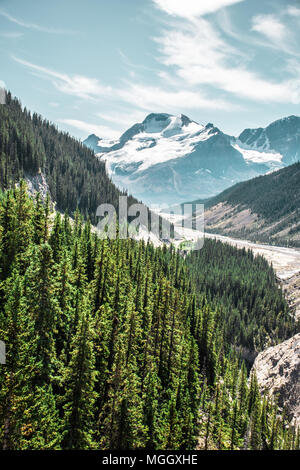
(42, 307)
(79, 381)
(121, 419)
(38, 220)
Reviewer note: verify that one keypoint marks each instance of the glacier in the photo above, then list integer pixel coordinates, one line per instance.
(171, 158)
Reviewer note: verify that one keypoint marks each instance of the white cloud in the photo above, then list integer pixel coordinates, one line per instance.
(192, 8)
(289, 45)
(123, 119)
(76, 85)
(11, 35)
(88, 128)
(276, 33)
(142, 96)
(201, 57)
(33, 26)
(150, 98)
(269, 26)
(293, 11)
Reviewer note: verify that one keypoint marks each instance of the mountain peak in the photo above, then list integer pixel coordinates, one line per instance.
(91, 141)
(166, 124)
(186, 120)
(156, 117)
(290, 118)
(286, 122)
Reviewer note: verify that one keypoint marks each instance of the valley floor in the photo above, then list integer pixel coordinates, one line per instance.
(285, 261)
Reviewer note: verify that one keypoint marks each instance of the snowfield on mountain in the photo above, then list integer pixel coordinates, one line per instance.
(169, 159)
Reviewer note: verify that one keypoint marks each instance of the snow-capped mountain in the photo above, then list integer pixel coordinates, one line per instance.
(169, 159)
(280, 140)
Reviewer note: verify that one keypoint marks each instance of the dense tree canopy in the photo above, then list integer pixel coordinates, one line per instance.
(243, 287)
(113, 344)
(30, 144)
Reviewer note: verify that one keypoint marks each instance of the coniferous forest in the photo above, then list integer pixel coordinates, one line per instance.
(30, 144)
(115, 344)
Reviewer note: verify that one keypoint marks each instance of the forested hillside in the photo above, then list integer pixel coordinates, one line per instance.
(30, 144)
(254, 312)
(113, 344)
(270, 196)
(266, 208)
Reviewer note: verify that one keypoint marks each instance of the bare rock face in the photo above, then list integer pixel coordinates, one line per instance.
(37, 184)
(291, 286)
(278, 373)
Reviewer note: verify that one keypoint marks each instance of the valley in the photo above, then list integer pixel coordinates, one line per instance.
(149, 229)
(165, 343)
(286, 261)
(277, 367)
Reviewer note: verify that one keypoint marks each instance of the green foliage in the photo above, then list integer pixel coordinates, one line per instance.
(30, 145)
(113, 344)
(251, 309)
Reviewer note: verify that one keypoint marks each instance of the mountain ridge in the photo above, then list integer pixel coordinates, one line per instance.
(170, 159)
(31, 146)
(263, 209)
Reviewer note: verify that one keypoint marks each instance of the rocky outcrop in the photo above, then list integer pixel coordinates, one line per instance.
(278, 373)
(291, 287)
(37, 184)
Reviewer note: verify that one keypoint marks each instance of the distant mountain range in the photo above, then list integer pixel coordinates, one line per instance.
(170, 159)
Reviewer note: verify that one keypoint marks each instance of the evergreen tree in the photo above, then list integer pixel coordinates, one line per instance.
(79, 381)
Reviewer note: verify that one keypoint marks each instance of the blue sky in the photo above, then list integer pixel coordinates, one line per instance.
(99, 66)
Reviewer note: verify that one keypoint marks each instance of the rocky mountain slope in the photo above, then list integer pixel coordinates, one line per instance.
(171, 159)
(291, 287)
(278, 372)
(265, 209)
(282, 137)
